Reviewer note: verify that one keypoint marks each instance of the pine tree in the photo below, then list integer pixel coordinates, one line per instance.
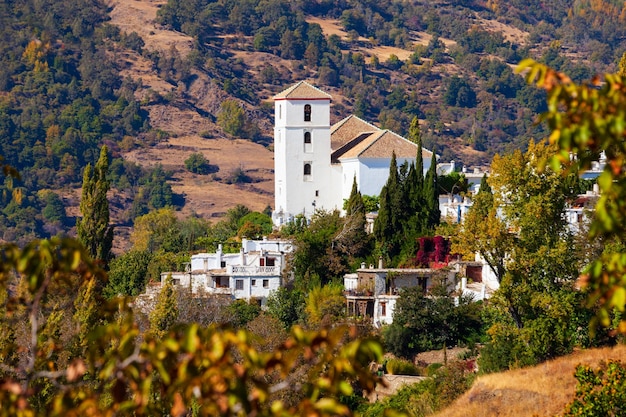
(93, 229)
(165, 311)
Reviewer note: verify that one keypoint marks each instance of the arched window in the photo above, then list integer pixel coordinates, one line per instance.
(307, 169)
(307, 112)
(307, 137)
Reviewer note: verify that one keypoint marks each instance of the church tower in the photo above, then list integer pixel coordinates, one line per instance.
(302, 166)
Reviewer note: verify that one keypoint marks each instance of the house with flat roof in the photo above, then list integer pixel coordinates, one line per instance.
(251, 274)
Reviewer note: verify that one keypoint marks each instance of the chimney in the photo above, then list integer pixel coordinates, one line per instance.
(362, 265)
(380, 262)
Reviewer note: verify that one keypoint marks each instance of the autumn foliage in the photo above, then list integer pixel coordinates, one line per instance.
(60, 356)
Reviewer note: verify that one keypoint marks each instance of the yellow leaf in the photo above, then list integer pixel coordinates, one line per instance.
(619, 298)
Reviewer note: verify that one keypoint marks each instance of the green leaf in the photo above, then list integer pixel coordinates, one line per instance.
(619, 298)
(605, 180)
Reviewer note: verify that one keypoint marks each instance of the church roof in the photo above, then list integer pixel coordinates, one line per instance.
(348, 129)
(382, 144)
(302, 90)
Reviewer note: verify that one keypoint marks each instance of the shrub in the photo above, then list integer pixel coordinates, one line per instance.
(401, 367)
(197, 164)
(600, 392)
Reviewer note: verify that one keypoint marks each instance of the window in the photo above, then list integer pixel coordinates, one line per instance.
(271, 261)
(280, 111)
(254, 282)
(307, 112)
(317, 193)
(266, 283)
(307, 137)
(223, 264)
(383, 309)
(262, 262)
(307, 169)
(239, 284)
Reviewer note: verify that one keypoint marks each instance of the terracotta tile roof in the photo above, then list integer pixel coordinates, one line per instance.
(350, 145)
(302, 90)
(381, 145)
(346, 130)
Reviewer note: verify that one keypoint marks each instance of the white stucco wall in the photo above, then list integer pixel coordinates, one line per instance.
(371, 174)
(295, 192)
(253, 287)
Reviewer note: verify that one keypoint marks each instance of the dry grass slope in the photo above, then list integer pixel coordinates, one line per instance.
(543, 390)
(203, 195)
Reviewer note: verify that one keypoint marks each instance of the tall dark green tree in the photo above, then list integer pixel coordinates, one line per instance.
(415, 134)
(387, 224)
(431, 194)
(93, 228)
(415, 223)
(353, 241)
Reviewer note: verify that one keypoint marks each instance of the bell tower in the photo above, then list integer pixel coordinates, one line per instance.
(302, 168)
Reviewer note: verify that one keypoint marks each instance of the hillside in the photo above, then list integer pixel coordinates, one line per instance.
(184, 120)
(542, 390)
(148, 78)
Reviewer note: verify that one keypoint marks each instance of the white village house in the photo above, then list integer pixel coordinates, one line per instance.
(315, 163)
(373, 292)
(251, 274)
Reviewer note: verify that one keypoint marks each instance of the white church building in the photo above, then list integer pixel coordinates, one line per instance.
(315, 163)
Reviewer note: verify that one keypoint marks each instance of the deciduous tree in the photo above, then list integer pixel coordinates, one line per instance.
(587, 121)
(521, 233)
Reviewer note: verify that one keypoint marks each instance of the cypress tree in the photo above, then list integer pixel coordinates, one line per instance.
(355, 202)
(419, 164)
(484, 185)
(93, 229)
(165, 311)
(394, 189)
(87, 314)
(353, 240)
(387, 227)
(415, 135)
(431, 194)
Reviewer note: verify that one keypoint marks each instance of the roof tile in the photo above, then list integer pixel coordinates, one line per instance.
(302, 90)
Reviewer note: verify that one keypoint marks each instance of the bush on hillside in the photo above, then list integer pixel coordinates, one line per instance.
(398, 366)
(198, 164)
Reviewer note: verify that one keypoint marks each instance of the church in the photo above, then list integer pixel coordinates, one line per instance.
(315, 163)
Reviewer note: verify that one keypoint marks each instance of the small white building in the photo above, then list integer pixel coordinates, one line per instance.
(315, 163)
(373, 292)
(251, 274)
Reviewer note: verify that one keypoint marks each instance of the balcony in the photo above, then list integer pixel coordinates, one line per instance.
(253, 270)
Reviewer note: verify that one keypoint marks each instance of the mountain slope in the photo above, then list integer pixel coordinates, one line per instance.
(185, 118)
(542, 390)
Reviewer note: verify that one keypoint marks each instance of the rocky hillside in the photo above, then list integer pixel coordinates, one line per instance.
(158, 81)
